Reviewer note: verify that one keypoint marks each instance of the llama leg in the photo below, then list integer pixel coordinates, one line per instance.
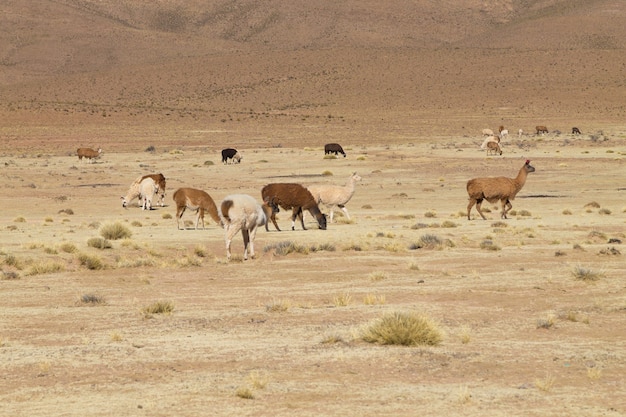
(246, 242)
(179, 215)
(345, 210)
(252, 236)
(506, 206)
(230, 232)
(469, 207)
(478, 204)
(301, 217)
(273, 219)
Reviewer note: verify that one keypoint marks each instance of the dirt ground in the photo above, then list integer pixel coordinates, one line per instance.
(522, 334)
(531, 308)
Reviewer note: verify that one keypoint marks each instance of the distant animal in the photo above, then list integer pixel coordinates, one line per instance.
(487, 132)
(575, 131)
(295, 197)
(334, 148)
(194, 200)
(335, 195)
(241, 212)
(488, 139)
(88, 153)
(231, 154)
(133, 190)
(520, 132)
(504, 133)
(493, 148)
(493, 189)
(541, 129)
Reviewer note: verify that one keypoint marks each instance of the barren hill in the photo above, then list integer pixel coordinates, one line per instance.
(436, 67)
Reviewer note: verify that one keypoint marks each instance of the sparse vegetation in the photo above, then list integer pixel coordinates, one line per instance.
(278, 306)
(158, 307)
(90, 261)
(586, 274)
(92, 299)
(403, 328)
(99, 243)
(115, 231)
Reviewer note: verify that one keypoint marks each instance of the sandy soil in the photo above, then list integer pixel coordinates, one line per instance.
(406, 89)
(490, 286)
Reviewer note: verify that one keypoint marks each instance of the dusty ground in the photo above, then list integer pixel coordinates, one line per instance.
(406, 91)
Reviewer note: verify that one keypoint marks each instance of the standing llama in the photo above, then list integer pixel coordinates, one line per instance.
(295, 197)
(335, 195)
(133, 190)
(242, 212)
(493, 189)
(194, 200)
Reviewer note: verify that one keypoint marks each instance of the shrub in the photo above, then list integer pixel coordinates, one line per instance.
(90, 261)
(92, 299)
(489, 245)
(286, 247)
(586, 274)
(99, 243)
(68, 247)
(45, 268)
(115, 231)
(427, 241)
(159, 307)
(407, 329)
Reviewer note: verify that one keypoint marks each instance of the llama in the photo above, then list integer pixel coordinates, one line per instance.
(575, 131)
(242, 212)
(133, 190)
(295, 197)
(487, 132)
(493, 189)
(145, 192)
(231, 154)
(334, 148)
(504, 133)
(488, 139)
(541, 130)
(493, 148)
(194, 200)
(88, 153)
(334, 195)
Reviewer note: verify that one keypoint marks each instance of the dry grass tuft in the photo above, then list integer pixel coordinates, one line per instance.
(278, 306)
(99, 243)
(342, 300)
(586, 274)
(48, 267)
(373, 299)
(377, 276)
(115, 231)
(428, 241)
(91, 299)
(286, 247)
(545, 384)
(400, 328)
(159, 307)
(90, 261)
(245, 393)
(592, 204)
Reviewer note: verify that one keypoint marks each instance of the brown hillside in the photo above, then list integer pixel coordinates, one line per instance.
(432, 68)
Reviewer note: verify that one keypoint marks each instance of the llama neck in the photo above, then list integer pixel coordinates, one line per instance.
(521, 178)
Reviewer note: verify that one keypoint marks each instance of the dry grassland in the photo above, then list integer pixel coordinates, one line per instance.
(531, 309)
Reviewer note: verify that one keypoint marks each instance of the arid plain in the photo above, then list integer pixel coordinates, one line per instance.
(532, 309)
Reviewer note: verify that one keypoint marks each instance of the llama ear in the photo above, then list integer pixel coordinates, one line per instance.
(527, 161)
